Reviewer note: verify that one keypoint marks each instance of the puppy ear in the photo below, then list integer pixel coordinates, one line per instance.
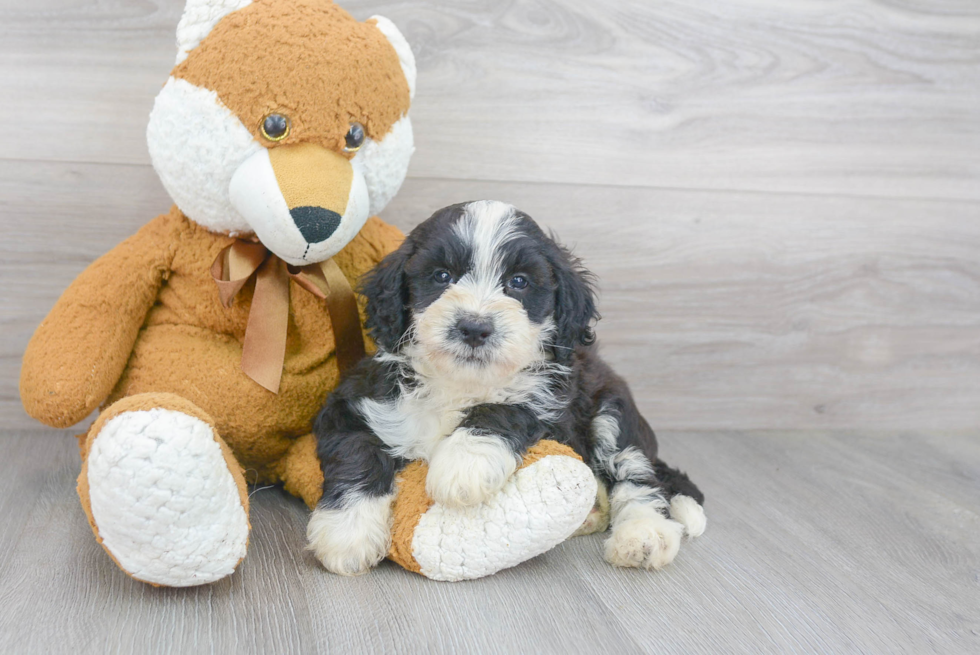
(387, 298)
(575, 303)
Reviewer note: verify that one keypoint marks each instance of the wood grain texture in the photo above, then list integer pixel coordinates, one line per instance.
(854, 97)
(781, 202)
(724, 309)
(816, 542)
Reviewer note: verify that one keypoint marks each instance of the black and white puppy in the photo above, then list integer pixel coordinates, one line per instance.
(485, 346)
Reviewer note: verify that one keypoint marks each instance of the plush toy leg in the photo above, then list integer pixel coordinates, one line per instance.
(300, 471)
(542, 504)
(163, 493)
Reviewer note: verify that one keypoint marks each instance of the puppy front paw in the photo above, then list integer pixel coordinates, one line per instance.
(352, 539)
(649, 542)
(467, 468)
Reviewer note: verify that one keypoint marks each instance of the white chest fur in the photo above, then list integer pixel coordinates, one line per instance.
(414, 422)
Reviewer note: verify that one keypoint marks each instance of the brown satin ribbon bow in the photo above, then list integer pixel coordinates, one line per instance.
(264, 349)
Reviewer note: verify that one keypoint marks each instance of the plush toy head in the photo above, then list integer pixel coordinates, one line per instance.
(259, 132)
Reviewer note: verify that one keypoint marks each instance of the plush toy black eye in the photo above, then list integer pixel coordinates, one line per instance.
(518, 282)
(275, 127)
(355, 138)
(442, 276)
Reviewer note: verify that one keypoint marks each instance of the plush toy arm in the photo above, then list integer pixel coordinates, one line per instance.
(78, 353)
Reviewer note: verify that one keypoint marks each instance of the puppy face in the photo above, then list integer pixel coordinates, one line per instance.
(477, 293)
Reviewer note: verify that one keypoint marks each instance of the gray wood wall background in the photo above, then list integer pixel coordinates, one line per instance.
(782, 202)
(780, 198)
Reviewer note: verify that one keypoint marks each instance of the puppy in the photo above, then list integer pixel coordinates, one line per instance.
(485, 346)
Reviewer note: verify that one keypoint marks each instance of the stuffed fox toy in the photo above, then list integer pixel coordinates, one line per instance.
(210, 338)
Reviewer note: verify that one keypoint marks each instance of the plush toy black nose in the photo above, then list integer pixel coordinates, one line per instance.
(316, 224)
(474, 332)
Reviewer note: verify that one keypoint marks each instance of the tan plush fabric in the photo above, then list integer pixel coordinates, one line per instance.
(145, 318)
(143, 326)
(412, 501)
(310, 176)
(301, 472)
(266, 46)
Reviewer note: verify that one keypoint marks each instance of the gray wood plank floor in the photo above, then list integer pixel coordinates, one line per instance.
(817, 542)
(781, 201)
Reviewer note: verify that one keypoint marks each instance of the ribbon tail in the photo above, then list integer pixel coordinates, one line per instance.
(342, 307)
(264, 349)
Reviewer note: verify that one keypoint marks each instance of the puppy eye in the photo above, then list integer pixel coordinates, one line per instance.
(354, 138)
(275, 127)
(442, 276)
(518, 282)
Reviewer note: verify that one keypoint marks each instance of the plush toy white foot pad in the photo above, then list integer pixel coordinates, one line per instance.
(538, 508)
(163, 499)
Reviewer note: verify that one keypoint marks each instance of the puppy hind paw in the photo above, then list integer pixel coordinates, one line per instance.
(690, 514)
(649, 543)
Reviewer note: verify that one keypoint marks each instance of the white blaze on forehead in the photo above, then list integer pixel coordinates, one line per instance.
(485, 227)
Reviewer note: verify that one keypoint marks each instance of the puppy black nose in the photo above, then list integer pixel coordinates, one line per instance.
(474, 332)
(316, 224)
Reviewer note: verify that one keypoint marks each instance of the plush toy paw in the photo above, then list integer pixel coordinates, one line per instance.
(690, 514)
(161, 497)
(649, 542)
(351, 539)
(467, 468)
(539, 506)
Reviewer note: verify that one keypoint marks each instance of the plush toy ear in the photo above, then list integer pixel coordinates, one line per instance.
(386, 291)
(575, 303)
(200, 17)
(401, 47)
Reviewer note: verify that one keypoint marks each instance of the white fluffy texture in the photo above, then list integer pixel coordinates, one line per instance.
(649, 543)
(410, 426)
(686, 511)
(254, 192)
(385, 163)
(196, 145)
(404, 51)
(641, 536)
(622, 465)
(414, 423)
(538, 508)
(199, 18)
(164, 501)
(467, 468)
(628, 500)
(487, 226)
(352, 539)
